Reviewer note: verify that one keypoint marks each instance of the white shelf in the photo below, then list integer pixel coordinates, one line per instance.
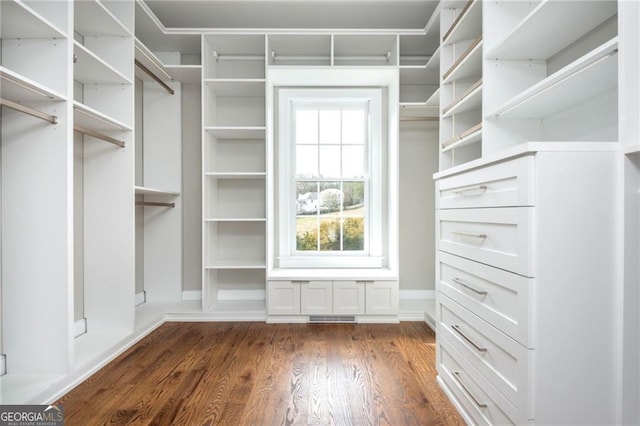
(142, 190)
(90, 69)
(89, 118)
(632, 149)
(468, 139)
(20, 21)
(235, 219)
(237, 87)
(467, 26)
(589, 76)
(470, 100)
(191, 74)
(93, 19)
(238, 264)
(550, 27)
(237, 132)
(418, 75)
(149, 60)
(18, 88)
(236, 175)
(468, 65)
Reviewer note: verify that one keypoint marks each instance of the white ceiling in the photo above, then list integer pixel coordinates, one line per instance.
(294, 14)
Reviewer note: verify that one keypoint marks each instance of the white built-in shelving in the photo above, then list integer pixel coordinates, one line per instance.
(234, 174)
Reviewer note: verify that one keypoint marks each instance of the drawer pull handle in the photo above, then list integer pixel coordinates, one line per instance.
(456, 328)
(456, 375)
(472, 189)
(469, 234)
(465, 285)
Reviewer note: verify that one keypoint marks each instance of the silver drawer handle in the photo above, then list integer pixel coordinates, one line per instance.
(456, 328)
(456, 375)
(464, 284)
(468, 234)
(467, 190)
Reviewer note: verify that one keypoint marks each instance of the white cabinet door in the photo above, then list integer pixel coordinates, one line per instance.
(382, 298)
(283, 298)
(316, 297)
(348, 297)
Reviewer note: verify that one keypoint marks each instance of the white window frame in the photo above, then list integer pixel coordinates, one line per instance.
(288, 256)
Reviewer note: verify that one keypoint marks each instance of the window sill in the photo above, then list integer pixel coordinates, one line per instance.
(356, 274)
(322, 262)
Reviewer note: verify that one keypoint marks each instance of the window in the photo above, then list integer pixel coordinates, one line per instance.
(331, 177)
(329, 192)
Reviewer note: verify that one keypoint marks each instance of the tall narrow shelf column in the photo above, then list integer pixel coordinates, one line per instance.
(234, 176)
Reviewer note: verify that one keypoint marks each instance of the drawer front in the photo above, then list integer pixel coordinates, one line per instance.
(283, 298)
(472, 392)
(316, 297)
(382, 298)
(348, 297)
(499, 237)
(501, 298)
(507, 184)
(503, 361)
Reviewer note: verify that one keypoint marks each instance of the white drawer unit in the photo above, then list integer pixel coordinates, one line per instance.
(500, 298)
(500, 237)
(505, 185)
(340, 299)
(523, 279)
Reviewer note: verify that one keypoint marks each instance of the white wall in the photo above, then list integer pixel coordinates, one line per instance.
(191, 188)
(418, 163)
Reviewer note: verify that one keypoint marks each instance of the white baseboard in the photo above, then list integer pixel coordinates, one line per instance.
(140, 298)
(191, 295)
(417, 294)
(80, 327)
(3, 364)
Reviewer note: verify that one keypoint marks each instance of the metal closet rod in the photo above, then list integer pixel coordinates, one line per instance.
(418, 118)
(381, 57)
(154, 204)
(98, 135)
(28, 110)
(153, 76)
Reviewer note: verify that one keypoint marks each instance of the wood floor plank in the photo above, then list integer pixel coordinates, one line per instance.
(269, 374)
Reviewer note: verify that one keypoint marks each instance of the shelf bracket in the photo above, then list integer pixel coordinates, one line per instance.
(98, 135)
(30, 111)
(155, 77)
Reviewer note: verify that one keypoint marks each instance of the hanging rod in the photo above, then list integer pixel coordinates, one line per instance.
(381, 57)
(419, 119)
(30, 111)
(154, 204)
(153, 76)
(98, 135)
(219, 57)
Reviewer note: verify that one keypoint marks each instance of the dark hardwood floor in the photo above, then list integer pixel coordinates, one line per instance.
(269, 374)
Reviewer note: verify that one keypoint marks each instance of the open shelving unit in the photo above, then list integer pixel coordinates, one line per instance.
(234, 174)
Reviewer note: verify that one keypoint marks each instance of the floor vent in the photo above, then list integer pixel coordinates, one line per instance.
(332, 318)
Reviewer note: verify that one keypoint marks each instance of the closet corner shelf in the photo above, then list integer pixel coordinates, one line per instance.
(92, 18)
(18, 88)
(142, 190)
(90, 69)
(632, 149)
(90, 118)
(585, 78)
(469, 64)
(468, 137)
(471, 99)
(541, 24)
(18, 20)
(237, 87)
(467, 25)
(230, 132)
